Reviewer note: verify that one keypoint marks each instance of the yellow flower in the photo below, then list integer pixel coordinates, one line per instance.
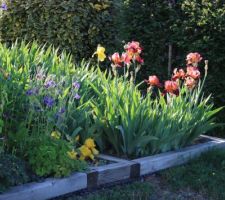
(77, 138)
(104, 6)
(72, 154)
(98, 7)
(86, 152)
(55, 135)
(82, 157)
(100, 53)
(89, 143)
(95, 151)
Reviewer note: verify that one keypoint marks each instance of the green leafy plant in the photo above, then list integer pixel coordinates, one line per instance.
(54, 94)
(49, 157)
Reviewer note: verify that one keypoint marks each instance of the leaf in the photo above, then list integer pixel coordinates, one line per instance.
(76, 131)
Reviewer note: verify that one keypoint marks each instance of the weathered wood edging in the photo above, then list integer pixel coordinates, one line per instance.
(120, 170)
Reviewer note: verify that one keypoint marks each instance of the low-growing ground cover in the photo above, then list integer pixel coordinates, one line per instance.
(201, 179)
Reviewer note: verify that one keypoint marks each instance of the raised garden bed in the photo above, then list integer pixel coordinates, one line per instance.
(117, 170)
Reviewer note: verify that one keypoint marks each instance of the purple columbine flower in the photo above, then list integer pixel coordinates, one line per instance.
(62, 110)
(49, 101)
(4, 6)
(76, 96)
(76, 85)
(50, 84)
(31, 92)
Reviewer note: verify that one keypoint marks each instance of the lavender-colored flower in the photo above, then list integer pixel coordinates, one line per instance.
(49, 101)
(4, 6)
(6, 115)
(31, 92)
(50, 84)
(76, 85)
(76, 96)
(40, 75)
(37, 108)
(62, 110)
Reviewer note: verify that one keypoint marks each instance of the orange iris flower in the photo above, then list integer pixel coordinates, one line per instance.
(178, 74)
(172, 87)
(116, 59)
(193, 72)
(193, 59)
(153, 81)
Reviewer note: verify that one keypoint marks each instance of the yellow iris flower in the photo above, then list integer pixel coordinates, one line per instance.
(100, 53)
(89, 143)
(95, 151)
(55, 135)
(85, 152)
(72, 154)
(77, 138)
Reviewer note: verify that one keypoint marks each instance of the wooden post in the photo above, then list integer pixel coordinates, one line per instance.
(170, 60)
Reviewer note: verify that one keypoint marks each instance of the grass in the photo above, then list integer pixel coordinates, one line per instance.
(133, 191)
(205, 174)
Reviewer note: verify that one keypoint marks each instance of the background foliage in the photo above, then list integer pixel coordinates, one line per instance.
(187, 25)
(74, 25)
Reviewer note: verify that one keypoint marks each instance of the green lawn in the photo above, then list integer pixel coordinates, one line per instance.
(205, 175)
(132, 191)
(201, 179)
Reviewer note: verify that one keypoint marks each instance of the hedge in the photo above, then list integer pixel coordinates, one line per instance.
(77, 26)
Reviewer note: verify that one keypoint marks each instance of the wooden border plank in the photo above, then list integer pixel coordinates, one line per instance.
(162, 161)
(50, 188)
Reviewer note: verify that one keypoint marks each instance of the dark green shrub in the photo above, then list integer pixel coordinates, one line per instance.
(13, 171)
(74, 25)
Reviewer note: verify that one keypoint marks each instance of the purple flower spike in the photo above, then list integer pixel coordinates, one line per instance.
(4, 6)
(76, 96)
(50, 84)
(49, 101)
(31, 92)
(62, 110)
(76, 85)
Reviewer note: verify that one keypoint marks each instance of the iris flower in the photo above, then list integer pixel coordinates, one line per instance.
(153, 81)
(100, 53)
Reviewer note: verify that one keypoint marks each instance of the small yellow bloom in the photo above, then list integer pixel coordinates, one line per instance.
(104, 6)
(97, 7)
(72, 154)
(89, 143)
(55, 135)
(100, 53)
(82, 157)
(77, 138)
(95, 151)
(86, 152)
